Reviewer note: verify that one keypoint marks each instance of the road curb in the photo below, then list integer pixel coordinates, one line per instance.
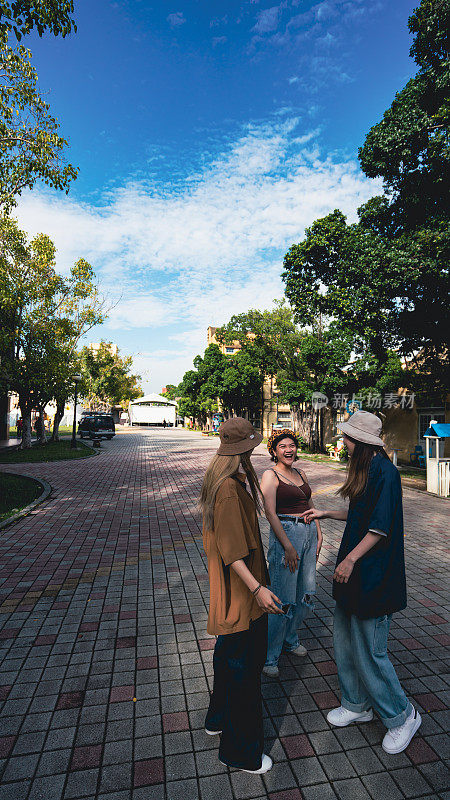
(47, 489)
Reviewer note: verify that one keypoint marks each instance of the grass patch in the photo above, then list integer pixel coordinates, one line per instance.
(53, 451)
(16, 492)
(321, 457)
(63, 429)
(420, 474)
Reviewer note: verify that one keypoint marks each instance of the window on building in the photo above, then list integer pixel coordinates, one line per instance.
(337, 419)
(284, 415)
(425, 418)
(229, 350)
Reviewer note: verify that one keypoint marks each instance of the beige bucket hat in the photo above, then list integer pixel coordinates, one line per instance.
(364, 427)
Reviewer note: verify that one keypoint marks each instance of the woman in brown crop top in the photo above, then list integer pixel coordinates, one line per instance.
(294, 547)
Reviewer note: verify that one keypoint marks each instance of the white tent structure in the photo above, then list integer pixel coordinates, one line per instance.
(152, 409)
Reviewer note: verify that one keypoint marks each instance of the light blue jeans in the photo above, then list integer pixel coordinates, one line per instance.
(293, 588)
(366, 675)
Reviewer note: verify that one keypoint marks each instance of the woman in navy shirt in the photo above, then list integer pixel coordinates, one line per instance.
(369, 586)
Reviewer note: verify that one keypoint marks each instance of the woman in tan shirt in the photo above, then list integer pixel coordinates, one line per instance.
(239, 598)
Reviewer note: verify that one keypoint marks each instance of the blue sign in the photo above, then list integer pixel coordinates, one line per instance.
(350, 405)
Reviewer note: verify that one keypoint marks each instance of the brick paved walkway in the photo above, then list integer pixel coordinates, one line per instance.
(106, 661)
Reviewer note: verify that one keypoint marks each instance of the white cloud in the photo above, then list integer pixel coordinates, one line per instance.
(267, 20)
(176, 19)
(186, 256)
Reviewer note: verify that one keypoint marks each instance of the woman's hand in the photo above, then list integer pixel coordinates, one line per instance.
(267, 600)
(343, 571)
(319, 544)
(312, 513)
(291, 558)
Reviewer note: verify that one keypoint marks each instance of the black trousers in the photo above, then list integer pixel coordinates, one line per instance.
(235, 707)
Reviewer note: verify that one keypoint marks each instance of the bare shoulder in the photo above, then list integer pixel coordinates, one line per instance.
(269, 478)
(302, 474)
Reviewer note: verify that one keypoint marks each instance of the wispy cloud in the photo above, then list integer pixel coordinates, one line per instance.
(308, 34)
(176, 19)
(267, 20)
(180, 257)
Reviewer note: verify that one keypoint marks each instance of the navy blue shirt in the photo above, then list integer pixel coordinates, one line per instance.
(377, 585)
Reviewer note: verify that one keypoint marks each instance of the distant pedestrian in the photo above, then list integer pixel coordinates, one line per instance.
(369, 586)
(294, 547)
(19, 427)
(164, 423)
(239, 598)
(38, 427)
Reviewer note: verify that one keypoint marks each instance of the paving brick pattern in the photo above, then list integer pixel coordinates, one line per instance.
(106, 663)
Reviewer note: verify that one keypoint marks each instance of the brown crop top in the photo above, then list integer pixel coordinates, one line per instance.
(292, 500)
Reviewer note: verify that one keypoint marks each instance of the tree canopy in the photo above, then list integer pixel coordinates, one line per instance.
(22, 16)
(31, 147)
(107, 377)
(42, 316)
(385, 278)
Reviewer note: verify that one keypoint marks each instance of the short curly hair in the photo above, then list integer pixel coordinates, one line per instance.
(277, 436)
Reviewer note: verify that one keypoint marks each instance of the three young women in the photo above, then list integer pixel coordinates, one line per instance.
(369, 584)
(294, 547)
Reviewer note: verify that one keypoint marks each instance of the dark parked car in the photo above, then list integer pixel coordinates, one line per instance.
(96, 426)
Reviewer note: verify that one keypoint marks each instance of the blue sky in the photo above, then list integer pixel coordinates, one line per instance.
(208, 136)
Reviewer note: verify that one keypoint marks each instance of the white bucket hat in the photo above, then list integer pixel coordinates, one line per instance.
(364, 427)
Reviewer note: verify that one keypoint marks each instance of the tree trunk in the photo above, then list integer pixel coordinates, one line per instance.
(26, 429)
(42, 437)
(321, 446)
(311, 432)
(57, 421)
(262, 407)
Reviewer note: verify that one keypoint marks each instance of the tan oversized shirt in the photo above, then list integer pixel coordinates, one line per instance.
(235, 536)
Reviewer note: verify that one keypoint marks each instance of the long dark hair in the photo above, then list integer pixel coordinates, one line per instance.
(220, 468)
(358, 469)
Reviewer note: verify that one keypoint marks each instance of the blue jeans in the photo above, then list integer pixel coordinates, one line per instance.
(366, 675)
(293, 588)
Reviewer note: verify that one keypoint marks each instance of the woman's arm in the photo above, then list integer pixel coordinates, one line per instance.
(264, 597)
(345, 568)
(319, 534)
(314, 513)
(319, 529)
(269, 485)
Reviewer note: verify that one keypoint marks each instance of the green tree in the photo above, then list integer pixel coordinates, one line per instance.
(106, 377)
(264, 336)
(42, 316)
(386, 277)
(21, 16)
(31, 147)
(171, 391)
(240, 385)
(188, 393)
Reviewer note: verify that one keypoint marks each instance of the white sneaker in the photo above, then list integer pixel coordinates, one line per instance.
(266, 764)
(212, 733)
(342, 716)
(398, 739)
(272, 672)
(297, 651)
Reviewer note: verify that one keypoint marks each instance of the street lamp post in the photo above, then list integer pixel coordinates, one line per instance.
(73, 444)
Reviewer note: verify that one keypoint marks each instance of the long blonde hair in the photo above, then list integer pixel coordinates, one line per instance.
(221, 468)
